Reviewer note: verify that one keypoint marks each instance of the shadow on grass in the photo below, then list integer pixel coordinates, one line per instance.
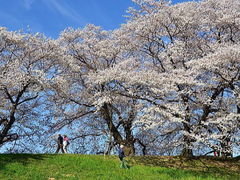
(23, 159)
(199, 166)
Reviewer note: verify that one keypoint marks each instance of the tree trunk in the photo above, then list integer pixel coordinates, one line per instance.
(186, 152)
(8, 126)
(226, 147)
(129, 150)
(107, 115)
(128, 143)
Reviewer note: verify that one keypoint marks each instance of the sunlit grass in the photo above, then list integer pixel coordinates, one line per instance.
(70, 166)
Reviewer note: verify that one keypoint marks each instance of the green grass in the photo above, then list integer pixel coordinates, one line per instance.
(84, 167)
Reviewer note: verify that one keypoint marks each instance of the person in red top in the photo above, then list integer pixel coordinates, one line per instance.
(65, 143)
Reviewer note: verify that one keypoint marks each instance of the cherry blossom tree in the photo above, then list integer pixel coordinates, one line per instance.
(89, 109)
(183, 64)
(24, 64)
(166, 82)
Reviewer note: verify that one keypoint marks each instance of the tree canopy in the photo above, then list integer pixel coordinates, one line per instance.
(166, 82)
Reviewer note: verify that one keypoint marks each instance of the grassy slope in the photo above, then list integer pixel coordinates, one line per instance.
(55, 167)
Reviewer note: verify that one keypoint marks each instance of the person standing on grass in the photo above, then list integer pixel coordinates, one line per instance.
(65, 143)
(60, 143)
(121, 156)
(216, 153)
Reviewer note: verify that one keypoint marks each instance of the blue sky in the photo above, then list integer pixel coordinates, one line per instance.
(53, 16)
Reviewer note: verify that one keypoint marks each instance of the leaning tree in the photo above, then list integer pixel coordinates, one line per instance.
(24, 64)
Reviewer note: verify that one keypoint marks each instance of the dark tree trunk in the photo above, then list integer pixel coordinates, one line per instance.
(226, 147)
(128, 132)
(144, 150)
(118, 139)
(4, 136)
(107, 115)
(188, 153)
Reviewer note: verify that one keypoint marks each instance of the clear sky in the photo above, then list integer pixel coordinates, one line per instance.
(53, 16)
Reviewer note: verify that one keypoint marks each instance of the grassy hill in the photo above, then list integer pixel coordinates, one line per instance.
(84, 167)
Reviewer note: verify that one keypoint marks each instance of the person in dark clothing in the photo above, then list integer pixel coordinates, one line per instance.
(60, 143)
(121, 156)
